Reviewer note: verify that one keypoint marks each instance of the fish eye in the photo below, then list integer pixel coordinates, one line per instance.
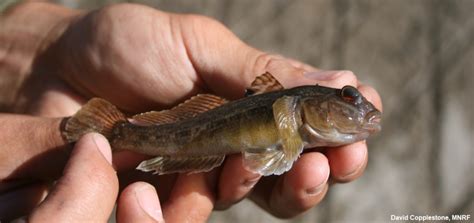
(350, 93)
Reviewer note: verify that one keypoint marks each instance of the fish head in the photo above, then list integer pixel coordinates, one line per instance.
(341, 117)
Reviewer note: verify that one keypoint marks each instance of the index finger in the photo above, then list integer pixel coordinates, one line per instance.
(227, 65)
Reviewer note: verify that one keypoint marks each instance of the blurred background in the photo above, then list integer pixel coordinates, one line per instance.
(419, 55)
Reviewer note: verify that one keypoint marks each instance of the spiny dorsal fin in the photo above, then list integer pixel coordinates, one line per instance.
(154, 118)
(262, 84)
(165, 165)
(97, 115)
(188, 109)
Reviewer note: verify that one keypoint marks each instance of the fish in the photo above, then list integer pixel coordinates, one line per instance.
(270, 127)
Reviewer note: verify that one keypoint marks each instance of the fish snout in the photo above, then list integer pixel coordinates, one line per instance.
(373, 121)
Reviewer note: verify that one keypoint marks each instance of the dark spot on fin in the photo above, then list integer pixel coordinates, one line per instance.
(262, 84)
(249, 92)
(165, 165)
(188, 109)
(97, 115)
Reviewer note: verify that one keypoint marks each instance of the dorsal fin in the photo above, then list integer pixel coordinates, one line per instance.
(188, 109)
(154, 118)
(262, 84)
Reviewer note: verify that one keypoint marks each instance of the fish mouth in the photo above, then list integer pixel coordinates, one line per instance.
(373, 121)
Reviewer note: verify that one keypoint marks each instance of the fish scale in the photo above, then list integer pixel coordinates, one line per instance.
(270, 126)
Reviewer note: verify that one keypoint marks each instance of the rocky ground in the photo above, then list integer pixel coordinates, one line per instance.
(418, 54)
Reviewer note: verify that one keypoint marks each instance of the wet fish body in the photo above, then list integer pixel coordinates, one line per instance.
(270, 127)
(220, 131)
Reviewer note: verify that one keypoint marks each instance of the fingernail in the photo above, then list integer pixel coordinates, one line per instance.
(316, 190)
(149, 202)
(103, 146)
(319, 188)
(324, 75)
(349, 174)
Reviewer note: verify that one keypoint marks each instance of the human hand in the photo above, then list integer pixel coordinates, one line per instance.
(140, 58)
(87, 191)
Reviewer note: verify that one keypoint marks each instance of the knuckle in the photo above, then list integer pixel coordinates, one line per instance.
(267, 62)
(292, 205)
(105, 20)
(343, 78)
(113, 29)
(302, 203)
(201, 20)
(120, 9)
(197, 23)
(349, 178)
(348, 77)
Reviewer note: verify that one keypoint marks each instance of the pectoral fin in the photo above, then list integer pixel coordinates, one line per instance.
(279, 158)
(266, 161)
(165, 165)
(288, 120)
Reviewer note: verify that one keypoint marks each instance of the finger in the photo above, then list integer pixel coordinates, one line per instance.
(301, 188)
(333, 78)
(298, 64)
(228, 66)
(162, 183)
(139, 202)
(347, 162)
(57, 103)
(21, 201)
(190, 201)
(88, 189)
(31, 147)
(371, 95)
(235, 188)
(47, 96)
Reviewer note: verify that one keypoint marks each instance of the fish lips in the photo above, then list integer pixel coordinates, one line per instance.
(373, 122)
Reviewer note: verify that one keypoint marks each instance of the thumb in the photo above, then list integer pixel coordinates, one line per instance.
(88, 188)
(227, 65)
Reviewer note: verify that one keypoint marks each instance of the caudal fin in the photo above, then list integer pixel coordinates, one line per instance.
(97, 115)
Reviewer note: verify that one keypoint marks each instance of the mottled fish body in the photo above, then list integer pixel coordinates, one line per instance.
(270, 127)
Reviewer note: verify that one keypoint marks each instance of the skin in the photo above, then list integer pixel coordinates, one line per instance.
(70, 56)
(94, 201)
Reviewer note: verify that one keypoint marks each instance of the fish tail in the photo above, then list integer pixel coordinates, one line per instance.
(97, 115)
